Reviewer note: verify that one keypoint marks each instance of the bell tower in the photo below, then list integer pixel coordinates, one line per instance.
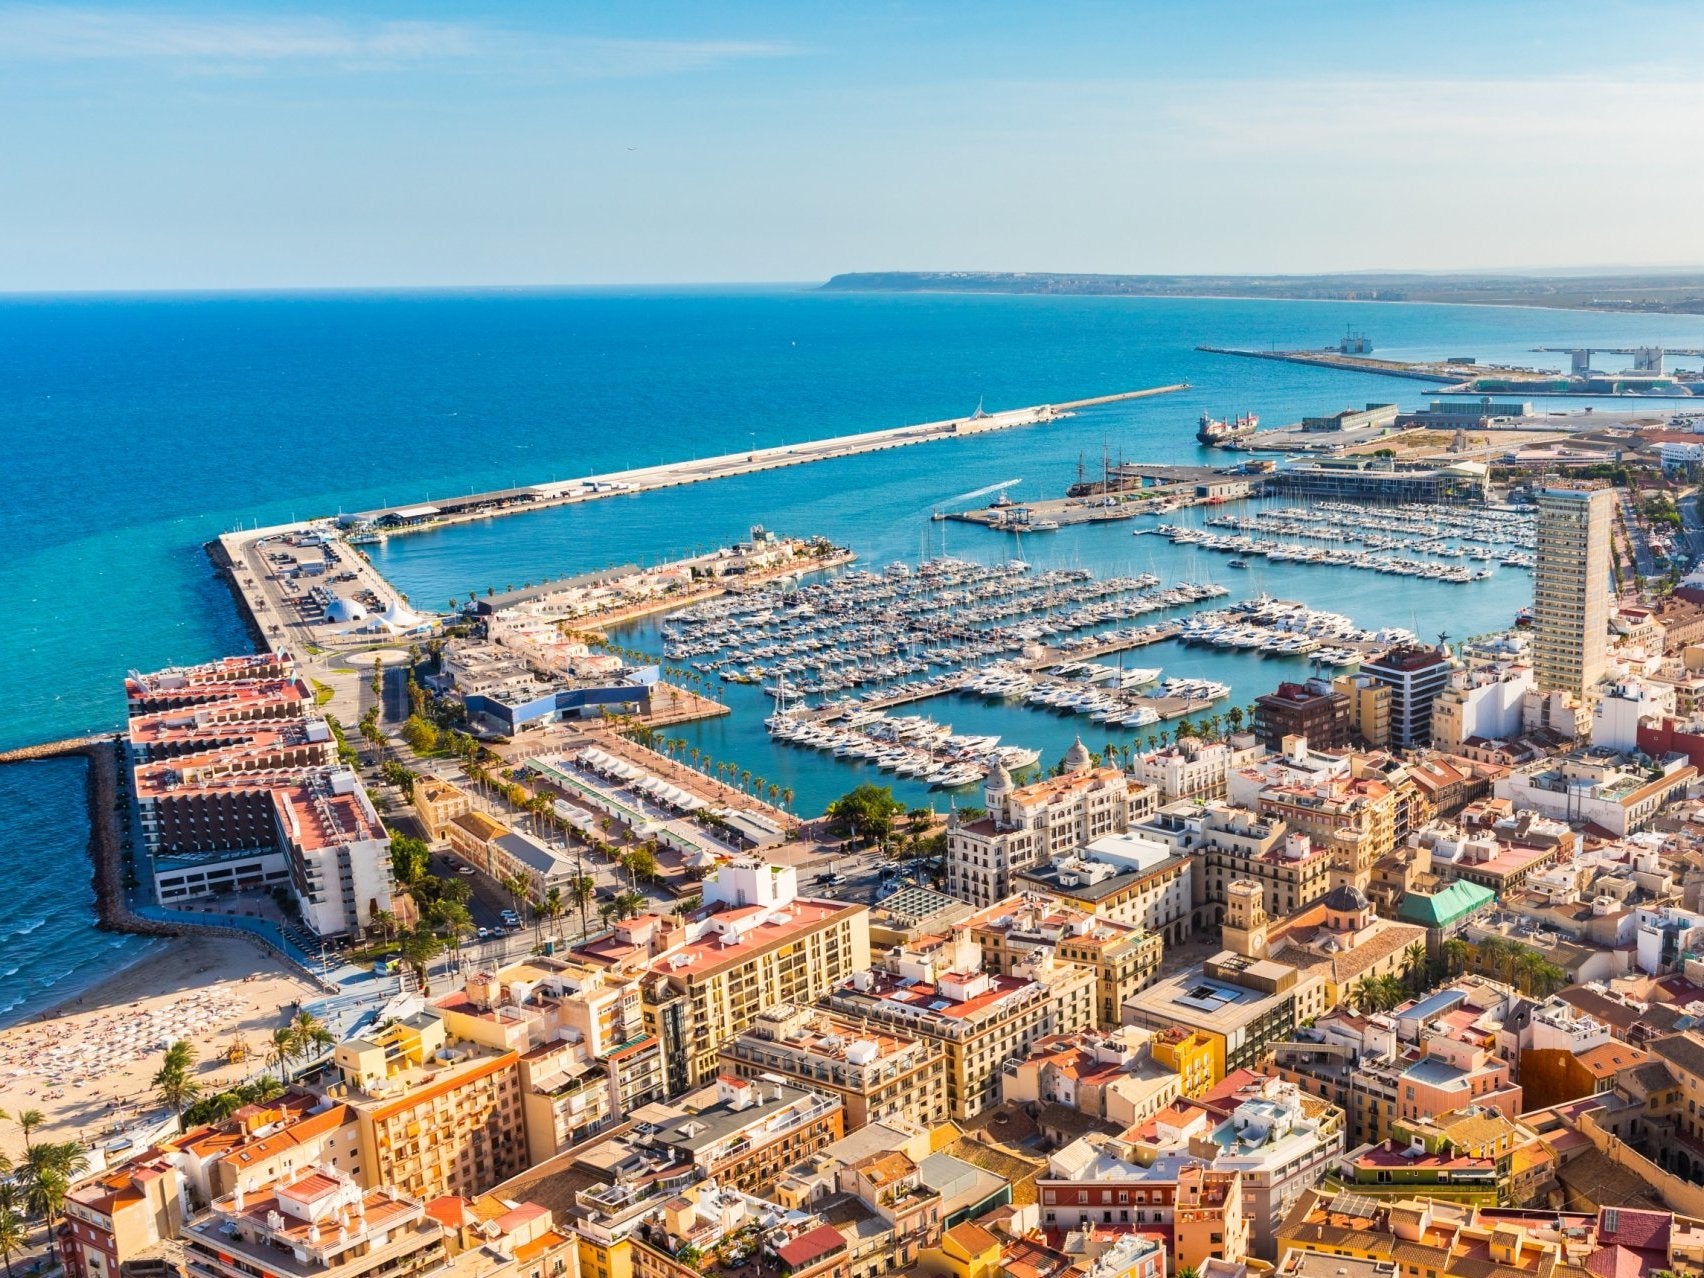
(1244, 929)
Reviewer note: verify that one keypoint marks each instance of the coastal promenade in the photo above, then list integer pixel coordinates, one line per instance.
(623, 483)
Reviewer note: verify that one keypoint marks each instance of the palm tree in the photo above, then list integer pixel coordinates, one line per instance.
(44, 1194)
(552, 906)
(583, 889)
(1415, 957)
(787, 798)
(280, 1052)
(13, 1235)
(519, 887)
(29, 1120)
(172, 1084)
(629, 903)
(606, 912)
(385, 922)
(1367, 993)
(310, 1035)
(1456, 954)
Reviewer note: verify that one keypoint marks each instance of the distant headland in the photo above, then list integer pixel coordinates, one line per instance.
(1677, 293)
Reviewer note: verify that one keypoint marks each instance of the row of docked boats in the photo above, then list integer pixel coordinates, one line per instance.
(912, 746)
(1337, 556)
(862, 630)
(1286, 628)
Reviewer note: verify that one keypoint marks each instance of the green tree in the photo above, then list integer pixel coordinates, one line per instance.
(629, 903)
(866, 813)
(410, 858)
(419, 948)
(642, 863)
(28, 1121)
(421, 734)
(551, 907)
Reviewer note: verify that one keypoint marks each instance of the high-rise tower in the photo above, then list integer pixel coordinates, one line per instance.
(1570, 589)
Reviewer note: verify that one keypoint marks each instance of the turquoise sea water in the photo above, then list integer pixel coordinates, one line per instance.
(140, 427)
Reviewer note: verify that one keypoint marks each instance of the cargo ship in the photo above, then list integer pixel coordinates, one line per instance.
(1215, 431)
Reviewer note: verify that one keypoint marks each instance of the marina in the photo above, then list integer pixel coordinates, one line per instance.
(1482, 537)
(862, 629)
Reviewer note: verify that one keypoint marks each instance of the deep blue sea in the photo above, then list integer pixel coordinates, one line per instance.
(139, 427)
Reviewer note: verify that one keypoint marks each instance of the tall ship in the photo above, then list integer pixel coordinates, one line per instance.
(1215, 431)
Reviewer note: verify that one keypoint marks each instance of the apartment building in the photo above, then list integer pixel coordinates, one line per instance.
(437, 1115)
(1272, 1137)
(880, 1075)
(1475, 1156)
(753, 944)
(1484, 701)
(1026, 826)
(1108, 1074)
(585, 1057)
(936, 988)
(112, 1218)
(1194, 768)
(741, 1132)
(1415, 677)
(317, 1223)
(1239, 1005)
(1123, 957)
(235, 785)
(1313, 710)
(1600, 787)
(1342, 1231)
(1124, 878)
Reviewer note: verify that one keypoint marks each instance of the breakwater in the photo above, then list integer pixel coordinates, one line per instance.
(623, 483)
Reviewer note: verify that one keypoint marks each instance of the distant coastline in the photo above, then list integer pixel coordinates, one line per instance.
(1649, 293)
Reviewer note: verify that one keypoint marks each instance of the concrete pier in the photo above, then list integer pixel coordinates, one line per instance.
(393, 520)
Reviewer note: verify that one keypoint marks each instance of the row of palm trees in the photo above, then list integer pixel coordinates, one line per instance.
(1505, 960)
(731, 774)
(304, 1038)
(35, 1187)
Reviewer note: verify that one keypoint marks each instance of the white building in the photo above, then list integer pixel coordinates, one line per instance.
(1193, 769)
(1597, 787)
(1484, 702)
(1665, 936)
(1616, 716)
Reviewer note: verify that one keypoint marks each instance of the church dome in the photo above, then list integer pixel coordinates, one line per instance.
(1346, 898)
(1077, 758)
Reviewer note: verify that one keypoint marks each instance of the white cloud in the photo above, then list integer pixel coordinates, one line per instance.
(42, 33)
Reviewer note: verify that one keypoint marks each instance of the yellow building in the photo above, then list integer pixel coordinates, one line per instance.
(1369, 707)
(436, 1116)
(936, 987)
(438, 803)
(965, 1251)
(754, 944)
(1123, 956)
(877, 1074)
(1195, 1058)
(470, 836)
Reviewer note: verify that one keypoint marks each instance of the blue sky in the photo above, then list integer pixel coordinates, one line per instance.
(293, 144)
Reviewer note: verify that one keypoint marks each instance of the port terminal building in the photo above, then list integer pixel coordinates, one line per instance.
(1377, 479)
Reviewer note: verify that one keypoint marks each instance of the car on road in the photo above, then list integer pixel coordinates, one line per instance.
(485, 934)
(832, 880)
(467, 870)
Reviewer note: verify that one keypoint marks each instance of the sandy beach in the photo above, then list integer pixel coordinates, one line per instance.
(86, 1063)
